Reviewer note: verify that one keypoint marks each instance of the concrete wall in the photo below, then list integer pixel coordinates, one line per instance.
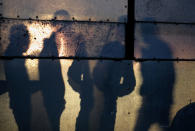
(93, 94)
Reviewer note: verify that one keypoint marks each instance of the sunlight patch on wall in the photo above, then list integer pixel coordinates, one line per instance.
(72, 107)
(38, 33)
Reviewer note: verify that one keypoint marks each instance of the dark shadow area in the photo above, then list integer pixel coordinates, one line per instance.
(184, 119)
(80, 80)
(114, 79)
(3, 87)
(158, 81)
(17, 77)
(51, 83)
(62, 15)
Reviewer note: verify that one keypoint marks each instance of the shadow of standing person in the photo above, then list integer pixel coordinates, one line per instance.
(80, 80)
(51, 83)
(114, 79)
(17, 77)
(158, 81)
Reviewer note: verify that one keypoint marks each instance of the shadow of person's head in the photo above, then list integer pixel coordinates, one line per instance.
(19, 40)
(62, 15)
(184, 119)
(154, 45)
(79, 41)
(50, 47)
(149, 28)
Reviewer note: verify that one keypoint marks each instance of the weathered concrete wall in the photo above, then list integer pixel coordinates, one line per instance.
(165, 10)
(94, 10)
(180, 94)
(99, 94)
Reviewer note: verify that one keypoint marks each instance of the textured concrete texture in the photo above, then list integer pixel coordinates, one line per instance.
(165, 41)
(67, 35)
(165, 10)
(164, 93)
(96, 10)
(96, 95)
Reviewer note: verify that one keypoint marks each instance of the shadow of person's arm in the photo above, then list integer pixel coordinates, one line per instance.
(74, 76)
(127, 79)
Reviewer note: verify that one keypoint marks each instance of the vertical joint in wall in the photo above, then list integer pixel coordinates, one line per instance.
(129, 36)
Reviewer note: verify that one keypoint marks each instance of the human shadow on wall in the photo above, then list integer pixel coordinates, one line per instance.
(52, 85)
(80, 80)
(158, 81)
(114, 79)
(51, 82)
(3, 87)
(184, 119)
(17, 77)
(62, 15)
